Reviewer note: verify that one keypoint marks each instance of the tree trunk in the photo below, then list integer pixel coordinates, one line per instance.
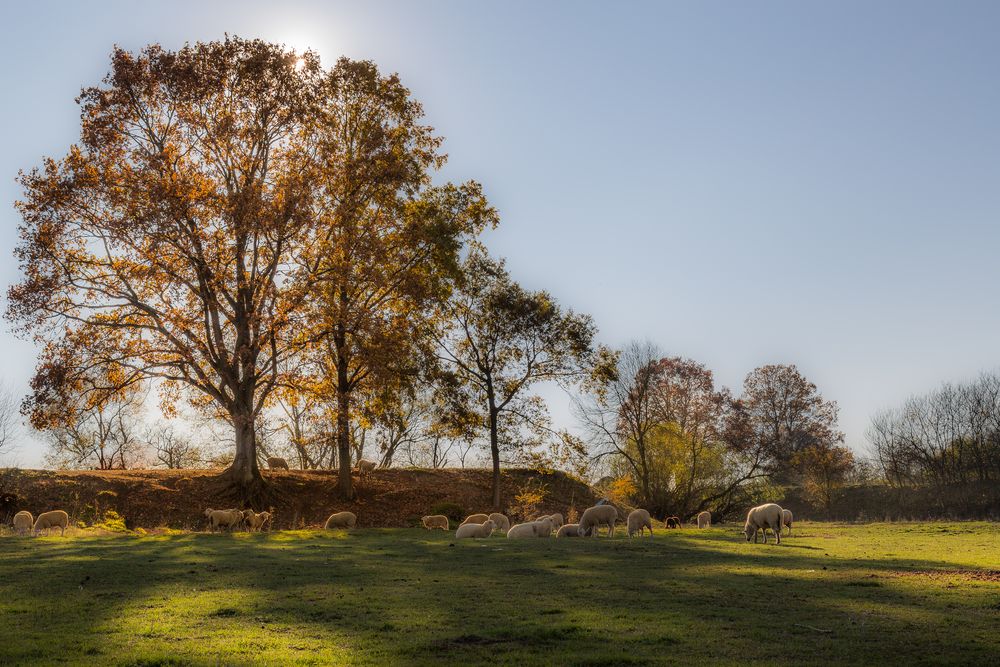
(244, 473)
(495, 451)
(344, 435)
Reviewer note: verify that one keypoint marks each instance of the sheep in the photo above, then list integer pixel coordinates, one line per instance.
(47, 520)
(341, 520)
(761, 518)
(255, 522)
(705, 519)
(476, 518)
(500, 521)
(672, 522)
(786, 519)
(277, 463)
(557, 519)
(598, 515)
(365, 467)
(540, 528)
(23, 521)
(569, 530)
(484, 529)
(223, 518)
(435, 521)
(639, 520)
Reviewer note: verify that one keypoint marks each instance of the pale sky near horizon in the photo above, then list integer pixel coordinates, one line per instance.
(740, 183)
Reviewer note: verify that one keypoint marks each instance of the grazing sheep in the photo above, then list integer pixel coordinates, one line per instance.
(223, 518)
(365, 467)
(476, 518)
(23, 522)
(435, 521)
(500, 521)
(47, 520)
(639, 521)
(255, 522)
(479, 530)
(761, 518)
(341, 520)
(277, 463)
(598, 515)
(540, 528)
(705, 519)
(569, 530)
(786, 520)
(672, 522)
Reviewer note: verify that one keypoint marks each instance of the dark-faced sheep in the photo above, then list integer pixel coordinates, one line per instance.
(672, 522)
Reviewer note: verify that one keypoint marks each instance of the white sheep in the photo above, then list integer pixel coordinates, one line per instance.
(476, 518)
(540, 528)
(500, 521)
(223, 518)
(761, 518)
(786, 519)
(255, 522)
(639, 521)
(23, 521)
(53, 519)
(341, 520)
(705, 519)
(598, 515)
(569, 530)
(435, 521)
(479, 530)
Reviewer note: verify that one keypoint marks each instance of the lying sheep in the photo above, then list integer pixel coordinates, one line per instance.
(557, 519)
(476, 518)
(705, 519)
(786, 520)
(255, 522)
(761, 518)
(639, 521)
(53, 519)
(540, 528)
(598, 515)
(23, 521)
(478, 530)
(223, 518)
(435, 521)
(341, 520)
(569, 530)
(277, 463)
(500, 521)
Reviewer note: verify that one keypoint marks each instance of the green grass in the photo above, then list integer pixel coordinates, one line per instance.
(880, 593)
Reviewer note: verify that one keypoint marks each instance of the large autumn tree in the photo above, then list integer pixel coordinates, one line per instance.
(501, 340)
(387, 246)
(166, 241)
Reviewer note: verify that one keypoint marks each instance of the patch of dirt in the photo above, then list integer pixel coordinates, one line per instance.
(388, 498)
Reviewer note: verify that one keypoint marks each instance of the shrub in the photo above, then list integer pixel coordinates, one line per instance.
(113, 522)
(528, 498)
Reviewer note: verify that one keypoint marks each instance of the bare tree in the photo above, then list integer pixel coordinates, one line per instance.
(173, 450)
(102, 435)
(9, 419)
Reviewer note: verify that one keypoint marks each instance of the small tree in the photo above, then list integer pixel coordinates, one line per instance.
(173, 450)
(501, 340)
(824, 471)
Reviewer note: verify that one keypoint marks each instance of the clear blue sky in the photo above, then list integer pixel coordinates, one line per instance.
(742, 183)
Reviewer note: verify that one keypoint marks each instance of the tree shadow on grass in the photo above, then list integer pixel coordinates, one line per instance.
(406, 596)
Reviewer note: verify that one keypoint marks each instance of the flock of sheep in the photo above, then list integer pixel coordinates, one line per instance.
(603, 515)
(759, 520)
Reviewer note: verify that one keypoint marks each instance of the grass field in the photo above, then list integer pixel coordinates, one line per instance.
(878, 593)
